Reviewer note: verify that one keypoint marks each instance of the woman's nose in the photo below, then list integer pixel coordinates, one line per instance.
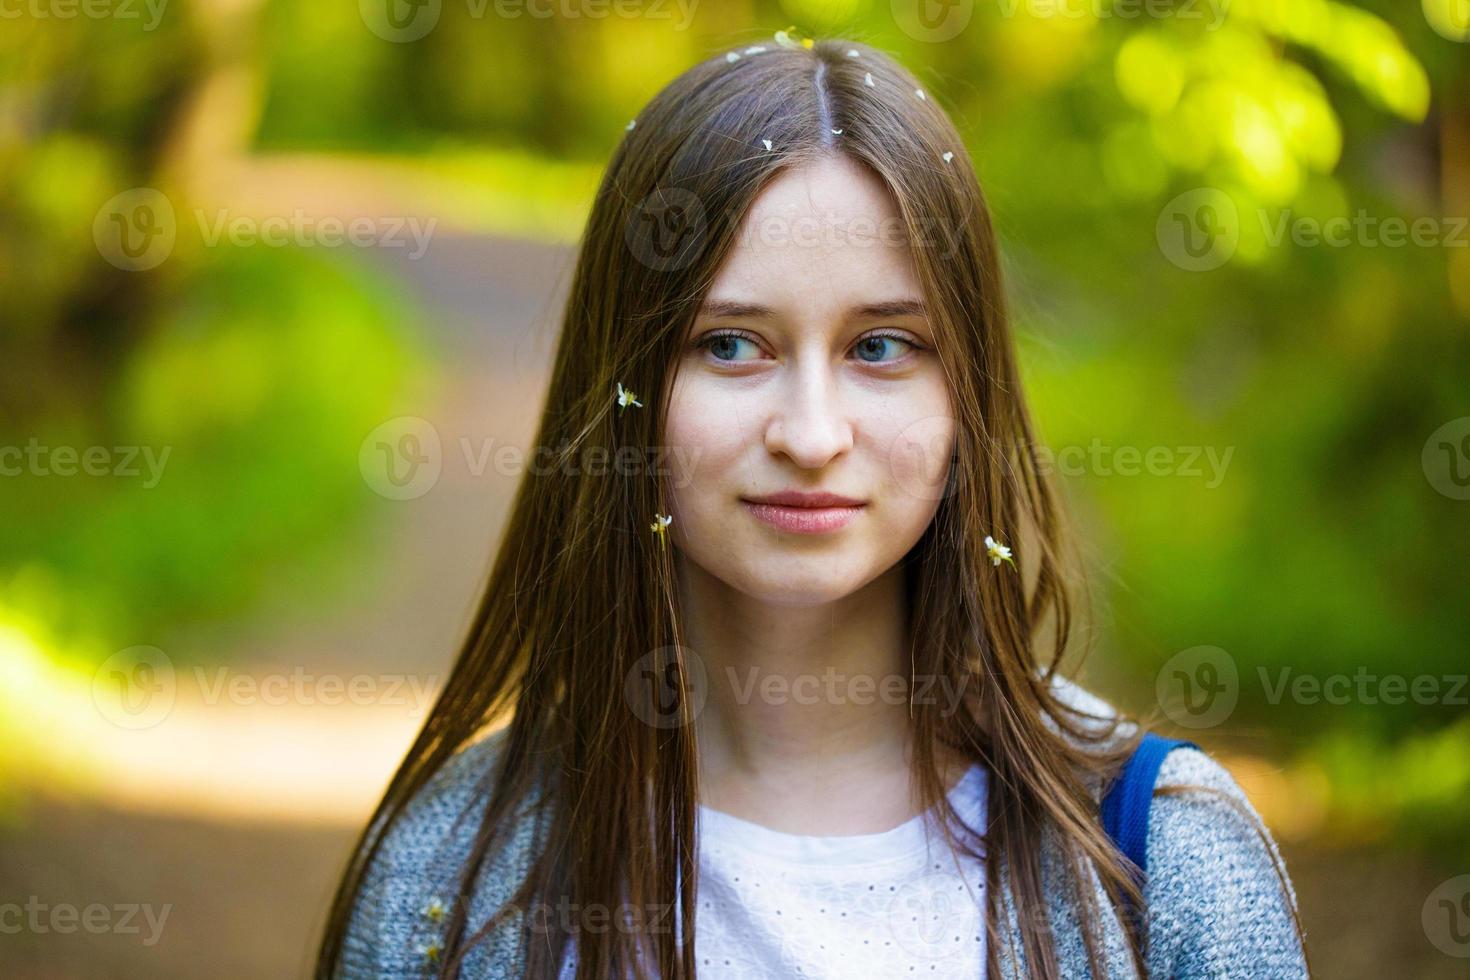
(809, 423)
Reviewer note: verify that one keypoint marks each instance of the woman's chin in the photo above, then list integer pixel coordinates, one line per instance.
(814, 584)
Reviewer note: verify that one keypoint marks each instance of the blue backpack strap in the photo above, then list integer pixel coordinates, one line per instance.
(1126, 805)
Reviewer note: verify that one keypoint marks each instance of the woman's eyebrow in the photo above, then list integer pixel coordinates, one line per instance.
(866, 311)
(889, 309)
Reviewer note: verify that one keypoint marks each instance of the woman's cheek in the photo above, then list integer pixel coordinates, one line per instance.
(703, 437)
(919, 460)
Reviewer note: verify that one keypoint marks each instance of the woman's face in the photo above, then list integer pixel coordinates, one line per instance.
(811, 368)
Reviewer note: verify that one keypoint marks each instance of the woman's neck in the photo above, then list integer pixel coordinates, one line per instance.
(805, 727)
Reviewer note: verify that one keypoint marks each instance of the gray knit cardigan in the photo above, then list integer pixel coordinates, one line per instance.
(1216, 905)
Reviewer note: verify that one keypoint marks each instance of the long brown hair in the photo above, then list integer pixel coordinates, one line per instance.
(582, 591)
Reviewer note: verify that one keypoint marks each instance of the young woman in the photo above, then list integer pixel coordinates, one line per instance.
(777, 634)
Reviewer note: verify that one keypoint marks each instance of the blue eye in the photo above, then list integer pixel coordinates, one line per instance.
(875, 344)
(725, 343)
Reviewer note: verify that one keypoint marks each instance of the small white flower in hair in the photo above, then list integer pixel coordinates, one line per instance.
(626, 398)
(852, 52)
(790, 38)
(660, 522)
(755, 49)
(868, 79)
(732, 56)
(836, 132)
(948, 155)
(767, 143)
(920, 93)
(997, 551)
(631, 124)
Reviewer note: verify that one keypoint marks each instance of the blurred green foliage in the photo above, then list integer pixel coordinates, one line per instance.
(258, 379)
(248, 375)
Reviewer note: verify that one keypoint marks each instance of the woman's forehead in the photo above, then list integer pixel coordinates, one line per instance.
(832, 187)
(825, 235)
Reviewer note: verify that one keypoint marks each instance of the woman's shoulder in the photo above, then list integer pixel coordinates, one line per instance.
(1219, 897)
(463, 780)
(444, 809)
(1092, 722)
(403, 901)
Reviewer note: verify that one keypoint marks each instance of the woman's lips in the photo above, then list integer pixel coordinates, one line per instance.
(803, 520)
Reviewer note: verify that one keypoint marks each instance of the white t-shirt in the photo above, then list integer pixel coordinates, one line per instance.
(891, 904)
